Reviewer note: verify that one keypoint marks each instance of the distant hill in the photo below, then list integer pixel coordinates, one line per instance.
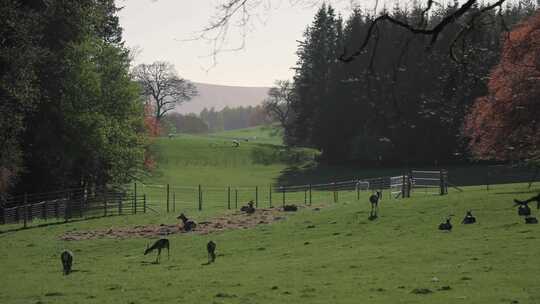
(219, 96)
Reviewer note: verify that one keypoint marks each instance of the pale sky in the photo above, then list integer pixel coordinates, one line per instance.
(159, 28)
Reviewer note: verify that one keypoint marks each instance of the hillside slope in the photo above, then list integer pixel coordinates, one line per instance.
(219, 96)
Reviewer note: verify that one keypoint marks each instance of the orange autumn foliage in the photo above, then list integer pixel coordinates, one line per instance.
(150, 122)
(505, 124)
(153, 129)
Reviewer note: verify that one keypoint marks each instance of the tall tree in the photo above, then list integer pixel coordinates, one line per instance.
(505, 124)
(280, 98)
(162, 86)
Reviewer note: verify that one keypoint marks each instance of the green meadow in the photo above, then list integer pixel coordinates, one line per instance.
(331, 255)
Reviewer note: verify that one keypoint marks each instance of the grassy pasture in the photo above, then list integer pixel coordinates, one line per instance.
(343, 258)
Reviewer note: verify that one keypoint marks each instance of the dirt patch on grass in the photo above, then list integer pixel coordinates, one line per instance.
(237, 220)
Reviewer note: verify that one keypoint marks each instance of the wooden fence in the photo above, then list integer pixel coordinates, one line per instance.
(70, 204)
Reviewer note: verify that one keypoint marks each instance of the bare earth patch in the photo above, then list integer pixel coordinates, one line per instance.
(237, 220)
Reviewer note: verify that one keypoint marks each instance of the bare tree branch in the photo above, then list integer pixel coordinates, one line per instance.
(162, 86)
(433, 32)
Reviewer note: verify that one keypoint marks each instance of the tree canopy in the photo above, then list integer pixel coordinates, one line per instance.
(70, 114)
(505, 123)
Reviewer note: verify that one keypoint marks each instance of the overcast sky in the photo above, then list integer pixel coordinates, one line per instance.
(160, 27)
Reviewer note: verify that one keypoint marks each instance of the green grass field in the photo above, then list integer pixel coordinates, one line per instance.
(343, 258)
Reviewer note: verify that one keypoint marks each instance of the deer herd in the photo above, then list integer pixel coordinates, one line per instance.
(189, 225)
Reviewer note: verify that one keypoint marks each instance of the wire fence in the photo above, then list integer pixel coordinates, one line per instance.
(173, 198)
(82, 203)
(66, 205)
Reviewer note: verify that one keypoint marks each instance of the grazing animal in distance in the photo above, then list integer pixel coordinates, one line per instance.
(531, 220)
(159, 244)
(374, 200)
(188, 224)
(469, 218)
(290, 208)
(446, 226)
(211, 248)
(249, 209)
(67, 261)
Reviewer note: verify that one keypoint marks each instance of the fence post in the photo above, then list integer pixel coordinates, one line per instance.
(173, 201)
(256, 196)
(200, 198)
(134, 202)
(168, 194)
(144, 202)
(56, 211)
(310, 194)
(270, 196)
(335, 197)
(66, 211)
(2, 216)
(441, 182)
(120, 201)
(357, 190)
(105, 203)
(283, 190)
(305, 196)
(229, 197)
(236, 198)
(135, 205)
(25, 209)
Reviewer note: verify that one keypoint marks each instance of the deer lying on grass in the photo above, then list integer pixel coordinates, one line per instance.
(469, 218)
(446, 226)
(523, 209)
(188, 224)
(249, 209)
(67, 261)
(159, 244)
(211, 248)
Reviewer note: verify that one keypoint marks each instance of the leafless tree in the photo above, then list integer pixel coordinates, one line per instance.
(278, 103)
(162, 87)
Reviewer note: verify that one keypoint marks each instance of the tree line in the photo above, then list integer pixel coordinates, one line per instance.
(70, 114)
(396, 102)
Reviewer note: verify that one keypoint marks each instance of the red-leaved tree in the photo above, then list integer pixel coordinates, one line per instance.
(151, 124)
(505, 124)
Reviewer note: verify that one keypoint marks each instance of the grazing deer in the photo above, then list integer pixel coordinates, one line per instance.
(374, 200)
(469, 218)
(67, 261)
(211, 248)
(187, 223)
(446, 226)
(159, 244)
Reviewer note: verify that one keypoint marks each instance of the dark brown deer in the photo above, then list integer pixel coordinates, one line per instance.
(67, 261)
(159, 244)
(446, 226)
(469, 218)
(374, 200)
(211, 248)
(188, 224)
